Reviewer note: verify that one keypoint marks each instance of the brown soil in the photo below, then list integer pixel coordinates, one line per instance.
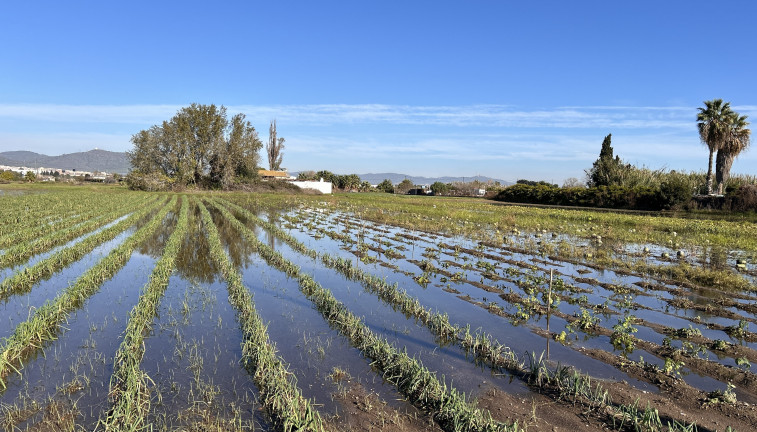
(536, 412)
(363, 411)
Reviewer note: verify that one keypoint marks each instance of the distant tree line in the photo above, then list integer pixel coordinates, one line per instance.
(198, 146)
(614, 184)
(346, 182)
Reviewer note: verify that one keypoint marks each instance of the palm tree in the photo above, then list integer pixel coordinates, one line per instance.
(737, 140)
(713, 125)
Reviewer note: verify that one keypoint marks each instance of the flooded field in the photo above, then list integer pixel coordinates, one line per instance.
(133, 311)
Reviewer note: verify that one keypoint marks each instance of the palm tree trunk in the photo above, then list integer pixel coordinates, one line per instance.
(719, 163)
(709, 175)
(725, 171)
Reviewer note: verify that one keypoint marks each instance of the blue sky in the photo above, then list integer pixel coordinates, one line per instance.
(505, 89)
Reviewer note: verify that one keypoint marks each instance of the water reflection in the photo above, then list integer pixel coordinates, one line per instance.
(154, 245)
(193, 261)
(239, 249)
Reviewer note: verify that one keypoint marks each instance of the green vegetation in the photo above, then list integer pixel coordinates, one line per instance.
(279, 393)
(129, 385)
(723, 131)
(274, 148)
(198, 146)
(483, 277)
(43, 325)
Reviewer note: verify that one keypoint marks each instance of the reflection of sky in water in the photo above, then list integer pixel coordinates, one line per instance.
(654, 308)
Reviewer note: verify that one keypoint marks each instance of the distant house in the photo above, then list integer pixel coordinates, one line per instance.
(323, 187)
(273, 175)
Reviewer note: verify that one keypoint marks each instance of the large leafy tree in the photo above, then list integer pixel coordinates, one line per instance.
(737, 140)
(199, 143)
(713, 123)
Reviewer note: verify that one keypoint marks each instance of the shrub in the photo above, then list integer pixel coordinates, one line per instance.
(675, 191)
(137, 180)
(743, 199)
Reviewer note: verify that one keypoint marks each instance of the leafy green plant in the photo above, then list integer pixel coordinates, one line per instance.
(622, 336)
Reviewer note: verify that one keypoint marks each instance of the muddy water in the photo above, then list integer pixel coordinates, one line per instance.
(465, 313)
(83, 353)
(303, 338)
(9, 271)
(18, 308)
(405, 333)
(78, 365)
(193, 356)
(597, 294)
(193, 352)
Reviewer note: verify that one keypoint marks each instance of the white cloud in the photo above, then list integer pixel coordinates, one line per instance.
(540, 143)
(130, 114)
(322, 115)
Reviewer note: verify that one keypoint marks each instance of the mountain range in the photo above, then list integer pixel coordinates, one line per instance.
(395, 178)
(118, 162)
(93, 160)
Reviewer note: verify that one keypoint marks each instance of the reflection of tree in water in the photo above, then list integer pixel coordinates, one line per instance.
(236, 245)
(154, 245)
(272, 216)
(194, 261)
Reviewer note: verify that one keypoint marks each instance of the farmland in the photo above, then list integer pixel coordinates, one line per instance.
(226, 311)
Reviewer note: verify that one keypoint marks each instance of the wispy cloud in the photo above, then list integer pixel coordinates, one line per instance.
(489, 139)
(324, 115)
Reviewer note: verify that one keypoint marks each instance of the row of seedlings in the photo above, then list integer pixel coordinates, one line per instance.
(446, 405)
(31, 335)
(619, 333)
(129, 384)
(24, 279)
(279, 395)
(25, 250)
(44, 221)
(560, 382)
(36, 209)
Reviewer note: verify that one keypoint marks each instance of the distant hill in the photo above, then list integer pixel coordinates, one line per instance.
(93, 160)
(396, 178)
(4, 161)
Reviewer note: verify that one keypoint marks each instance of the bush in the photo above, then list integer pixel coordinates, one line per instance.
(743, 199)
(674, 192)
(137, 180)
(638, 198)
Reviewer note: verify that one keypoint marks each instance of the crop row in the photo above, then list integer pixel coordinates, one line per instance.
(489, 223)
(620, 335)
(47, 227)
(25, 250)
(30, 209)
(279, 394)
(43, 326)
(562, 383)
(129, 384)
(447, 406)
(24, 279)
(39, 209)
(530, 304)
